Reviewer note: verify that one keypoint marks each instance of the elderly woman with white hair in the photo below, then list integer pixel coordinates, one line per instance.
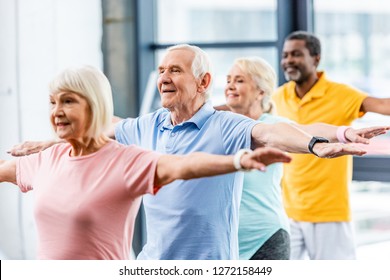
(88, 188)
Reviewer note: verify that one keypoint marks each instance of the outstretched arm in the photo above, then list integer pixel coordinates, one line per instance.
(348, 134)
(376, 105)
(8, 171)
(281, 135)
(292, 139)
(196, 165)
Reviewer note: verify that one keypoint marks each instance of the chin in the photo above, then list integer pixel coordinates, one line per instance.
(165, 105)
(61, 136)
(294, 78)
(232, 103)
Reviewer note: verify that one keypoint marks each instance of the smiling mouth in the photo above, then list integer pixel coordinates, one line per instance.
(61, 124)
(168, 91)
(232, 95)
(290, 69)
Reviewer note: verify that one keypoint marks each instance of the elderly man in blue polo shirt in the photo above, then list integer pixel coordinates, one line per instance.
(198, 219)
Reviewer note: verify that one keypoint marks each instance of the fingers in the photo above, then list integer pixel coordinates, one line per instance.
(269, 155)
(337, 150)
(259, 166)
(23, 149)
(21, 152)
(372, 132)
(362, 140)
(364, 134)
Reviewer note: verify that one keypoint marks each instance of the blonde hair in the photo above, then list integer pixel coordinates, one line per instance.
(200, 64)
(93, 85)
(263, 75)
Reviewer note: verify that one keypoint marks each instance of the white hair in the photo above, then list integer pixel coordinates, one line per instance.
(200, 65)
(93, 85)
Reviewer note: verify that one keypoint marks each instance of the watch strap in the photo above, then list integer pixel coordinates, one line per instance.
(314, 140)
(237, 159)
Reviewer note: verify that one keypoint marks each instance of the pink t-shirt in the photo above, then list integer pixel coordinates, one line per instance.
(85, 207)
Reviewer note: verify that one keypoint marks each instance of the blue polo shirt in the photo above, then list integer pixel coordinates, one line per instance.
(192, 219)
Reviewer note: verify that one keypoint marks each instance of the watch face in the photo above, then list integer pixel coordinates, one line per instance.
(321, 139)
(314, 140)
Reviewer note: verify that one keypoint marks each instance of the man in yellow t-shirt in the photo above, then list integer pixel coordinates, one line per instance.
(315, 191)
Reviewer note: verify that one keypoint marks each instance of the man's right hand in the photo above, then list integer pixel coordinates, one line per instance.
(31, 147)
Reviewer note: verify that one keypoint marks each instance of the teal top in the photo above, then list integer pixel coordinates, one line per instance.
(261, 210)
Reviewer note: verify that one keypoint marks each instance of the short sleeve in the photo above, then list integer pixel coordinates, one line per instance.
(123, 130)
(26, 168)
(140, 169)
(236, 131)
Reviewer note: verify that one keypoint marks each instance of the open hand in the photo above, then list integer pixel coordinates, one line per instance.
(332, 150)
(364, 134)
(30, 147)
(261, 157)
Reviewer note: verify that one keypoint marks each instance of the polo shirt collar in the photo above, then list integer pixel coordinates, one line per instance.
(318, 90)
(199, 119)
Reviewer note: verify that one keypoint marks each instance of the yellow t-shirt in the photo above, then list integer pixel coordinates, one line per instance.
(314, 189)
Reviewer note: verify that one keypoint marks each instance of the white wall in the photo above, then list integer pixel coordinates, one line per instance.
(37, 39)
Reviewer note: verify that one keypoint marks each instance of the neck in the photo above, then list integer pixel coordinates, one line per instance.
(184, 113)
(304, 87)
(86, 146)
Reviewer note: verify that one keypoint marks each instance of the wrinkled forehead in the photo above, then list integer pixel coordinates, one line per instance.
(178, 57)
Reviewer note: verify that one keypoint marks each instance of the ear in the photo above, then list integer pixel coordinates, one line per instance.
(317, 59)
(260, 95)
(204, 83)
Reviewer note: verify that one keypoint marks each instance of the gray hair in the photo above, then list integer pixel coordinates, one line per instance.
(93, 85)
(200, 65)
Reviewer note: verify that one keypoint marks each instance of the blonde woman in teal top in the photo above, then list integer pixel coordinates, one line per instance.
(263, 224)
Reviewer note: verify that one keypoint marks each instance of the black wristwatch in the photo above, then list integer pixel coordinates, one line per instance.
(315, 140)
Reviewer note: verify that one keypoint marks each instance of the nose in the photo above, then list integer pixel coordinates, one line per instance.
(229, 85)
(57, 110)
(164, 78)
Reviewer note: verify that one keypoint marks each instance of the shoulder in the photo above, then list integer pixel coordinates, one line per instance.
(47, 157)
(156, 116)
(58, 149)
(234, 126)
(230, 120)
(342, 88)
(127, 150)
(227, 115)
(284, 89)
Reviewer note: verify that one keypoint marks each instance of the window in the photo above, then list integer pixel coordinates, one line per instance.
(353, 36)
(218, 26)
(215, 21)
